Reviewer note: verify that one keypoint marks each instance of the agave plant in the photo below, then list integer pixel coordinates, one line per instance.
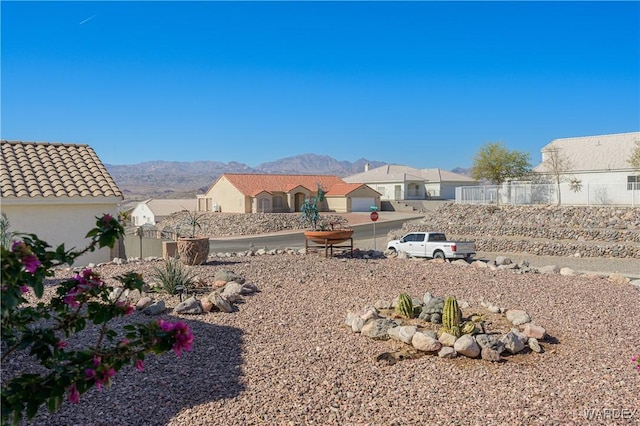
(173, 276)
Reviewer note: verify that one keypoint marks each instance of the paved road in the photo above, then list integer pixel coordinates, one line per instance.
(363, 237)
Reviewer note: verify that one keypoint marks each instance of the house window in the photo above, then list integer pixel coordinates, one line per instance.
(633, 183)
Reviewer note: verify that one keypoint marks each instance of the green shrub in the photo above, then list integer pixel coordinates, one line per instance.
(173, 276)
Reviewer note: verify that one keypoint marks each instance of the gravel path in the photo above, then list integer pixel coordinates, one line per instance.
(286, 358)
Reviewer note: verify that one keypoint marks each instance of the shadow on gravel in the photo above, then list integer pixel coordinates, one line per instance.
(167, 386)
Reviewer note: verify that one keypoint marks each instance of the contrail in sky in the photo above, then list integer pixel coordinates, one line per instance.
(84, 21)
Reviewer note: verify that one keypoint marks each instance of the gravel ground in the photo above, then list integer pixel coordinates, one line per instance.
(286, 358)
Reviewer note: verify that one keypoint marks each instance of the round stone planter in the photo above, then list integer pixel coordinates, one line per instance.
(193, 251)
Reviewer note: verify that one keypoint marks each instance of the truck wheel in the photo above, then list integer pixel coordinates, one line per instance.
(392, 250)
(439, 255)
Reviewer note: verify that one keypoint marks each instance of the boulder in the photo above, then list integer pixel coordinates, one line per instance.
(467, 346)
(377, 329)
(425, 343)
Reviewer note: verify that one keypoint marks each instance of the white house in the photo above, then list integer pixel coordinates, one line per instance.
(152, 211)
(56, 191)
(396, 182)
(593, 170)
(601, 166)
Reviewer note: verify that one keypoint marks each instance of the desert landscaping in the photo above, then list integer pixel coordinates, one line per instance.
(285, 354)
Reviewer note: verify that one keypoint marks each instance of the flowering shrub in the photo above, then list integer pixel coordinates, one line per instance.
(46, 331)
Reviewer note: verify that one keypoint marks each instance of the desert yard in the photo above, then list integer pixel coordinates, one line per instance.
(285, 357)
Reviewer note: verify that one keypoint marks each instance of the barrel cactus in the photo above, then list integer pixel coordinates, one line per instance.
(451, 316)
(468, 327)
(404, 307)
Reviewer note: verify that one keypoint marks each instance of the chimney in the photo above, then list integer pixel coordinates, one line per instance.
(366, 167)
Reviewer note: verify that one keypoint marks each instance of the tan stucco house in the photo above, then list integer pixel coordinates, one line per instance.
(56, 191)
(278, 193)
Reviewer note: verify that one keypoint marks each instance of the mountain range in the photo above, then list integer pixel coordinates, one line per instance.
(175, 179)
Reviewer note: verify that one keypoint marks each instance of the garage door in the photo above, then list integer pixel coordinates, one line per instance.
(362, 204)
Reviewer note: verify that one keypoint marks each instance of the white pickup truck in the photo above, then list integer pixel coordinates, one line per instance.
(432, 244)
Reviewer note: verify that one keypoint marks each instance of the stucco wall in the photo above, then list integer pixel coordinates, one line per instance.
(227, 197)
(56, 224)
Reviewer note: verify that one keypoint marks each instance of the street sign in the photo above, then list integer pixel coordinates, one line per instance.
(374, 216)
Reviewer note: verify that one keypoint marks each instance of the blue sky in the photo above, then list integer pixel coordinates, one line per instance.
(424, 84)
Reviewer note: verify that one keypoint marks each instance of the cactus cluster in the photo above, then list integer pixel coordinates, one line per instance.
(451, 316)
(404, 307)
(468, 328)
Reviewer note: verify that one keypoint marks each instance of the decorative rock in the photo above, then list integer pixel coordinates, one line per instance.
(233, 292)
(489, 354)
(370, 312)
(436, 318)
(357, 324)
(567, 272)
(518, 317)
(425, 343)
(430, 333)
(406, 333)
(116, 293)
(118, 261)
(426, 298)
(219, 283)
(190, 306)
(460, 262)
(220, 303)
(549, 269)
(447, 352)
(618, 279)
(479, 264)
(155, 308)
(534, 331)
(227, 276)
(377, 328)
(447, 339)
(206, 304)
(467, 346)
(249, 288)
(493, 308)
(534, 345)
(502, 260)
(143, 303)
(348, 321)
(514, 341)
(490, 341)
(402, 255)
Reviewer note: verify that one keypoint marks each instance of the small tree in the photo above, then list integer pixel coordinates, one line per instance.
(557, 164)
(495, 163)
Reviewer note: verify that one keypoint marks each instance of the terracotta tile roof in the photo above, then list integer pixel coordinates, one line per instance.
(252, 184)
(29, 169)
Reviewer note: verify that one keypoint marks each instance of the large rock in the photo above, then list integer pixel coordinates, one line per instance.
(190, 306)
(377, 329)
(233, 292)
(221, 303)
(155, 308)
(143, 303)
(518, 317)
(514, 341)
(226, 276)
(425, 343)
(467, 346)
(447, 339)
(535, 331)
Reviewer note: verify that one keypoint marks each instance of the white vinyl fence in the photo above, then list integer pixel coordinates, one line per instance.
(600, 194)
